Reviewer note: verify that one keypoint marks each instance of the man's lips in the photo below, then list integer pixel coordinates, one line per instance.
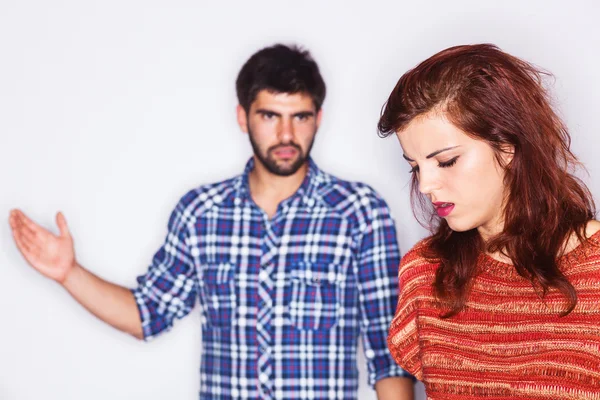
(285, 152)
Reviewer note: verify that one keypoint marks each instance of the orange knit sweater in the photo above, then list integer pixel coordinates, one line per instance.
(508, 343)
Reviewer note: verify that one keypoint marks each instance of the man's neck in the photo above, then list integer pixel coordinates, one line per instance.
(268, 190)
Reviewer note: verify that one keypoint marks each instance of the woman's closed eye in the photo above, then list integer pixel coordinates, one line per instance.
(449, 163)
(441, 164)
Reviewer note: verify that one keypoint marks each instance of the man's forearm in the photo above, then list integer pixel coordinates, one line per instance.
(112, 303)
(395, 388)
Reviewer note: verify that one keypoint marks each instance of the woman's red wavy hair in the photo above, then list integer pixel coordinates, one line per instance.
(500, 99)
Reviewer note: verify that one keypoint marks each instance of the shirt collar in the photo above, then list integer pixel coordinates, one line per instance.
(307, 190)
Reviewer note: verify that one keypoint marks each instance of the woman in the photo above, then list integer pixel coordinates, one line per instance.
(502, 301)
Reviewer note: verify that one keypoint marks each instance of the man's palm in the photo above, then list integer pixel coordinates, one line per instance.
(51, 255)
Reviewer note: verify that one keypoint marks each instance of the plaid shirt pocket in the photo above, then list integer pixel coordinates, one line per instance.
(219, 291)
(314, 296)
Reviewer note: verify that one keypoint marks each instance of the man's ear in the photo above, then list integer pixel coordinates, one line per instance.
(242, 118)
(319, 116)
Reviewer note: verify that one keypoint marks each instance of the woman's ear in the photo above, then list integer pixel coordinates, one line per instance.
(507, 153)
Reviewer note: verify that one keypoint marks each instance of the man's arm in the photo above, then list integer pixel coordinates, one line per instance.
(112, 303)
(377, 268)
(54, 257)
(395, 388)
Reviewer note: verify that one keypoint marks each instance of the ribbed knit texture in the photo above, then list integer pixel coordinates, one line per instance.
(508, 342)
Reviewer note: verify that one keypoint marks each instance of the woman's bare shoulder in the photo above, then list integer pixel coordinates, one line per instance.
(573, 242)
(592, 227)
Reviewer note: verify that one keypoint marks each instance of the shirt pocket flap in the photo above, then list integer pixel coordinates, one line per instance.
(317, 273)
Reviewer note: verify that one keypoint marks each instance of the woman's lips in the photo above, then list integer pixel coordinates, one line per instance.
(443, 209)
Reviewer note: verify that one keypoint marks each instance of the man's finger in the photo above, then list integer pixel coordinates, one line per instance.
(61, 221)
(23, 245)
(24, 219)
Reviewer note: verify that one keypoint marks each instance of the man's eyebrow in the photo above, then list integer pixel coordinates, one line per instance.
(304, 114)
(298, 114)
(265, 111)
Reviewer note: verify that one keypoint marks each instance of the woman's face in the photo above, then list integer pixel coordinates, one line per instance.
(460, 175)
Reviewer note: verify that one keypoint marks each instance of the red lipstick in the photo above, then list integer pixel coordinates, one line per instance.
(443, 209)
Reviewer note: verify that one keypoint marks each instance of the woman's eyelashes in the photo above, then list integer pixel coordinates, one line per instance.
(449, 163)
(441, 164)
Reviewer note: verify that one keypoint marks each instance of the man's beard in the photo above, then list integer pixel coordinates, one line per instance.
(271, 164)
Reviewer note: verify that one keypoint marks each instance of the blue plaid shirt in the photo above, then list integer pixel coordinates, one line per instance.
(284, 300)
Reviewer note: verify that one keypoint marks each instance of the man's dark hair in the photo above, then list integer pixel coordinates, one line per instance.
(280, 69)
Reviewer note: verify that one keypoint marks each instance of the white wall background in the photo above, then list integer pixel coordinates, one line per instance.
(111, 110)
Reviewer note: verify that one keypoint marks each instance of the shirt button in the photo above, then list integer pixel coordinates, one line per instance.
(263, 378)
(263, 276)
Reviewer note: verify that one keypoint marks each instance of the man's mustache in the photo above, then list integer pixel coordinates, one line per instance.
(291, 144)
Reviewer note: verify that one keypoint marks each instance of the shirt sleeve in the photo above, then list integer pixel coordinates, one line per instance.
(376, 270)
(168, 290)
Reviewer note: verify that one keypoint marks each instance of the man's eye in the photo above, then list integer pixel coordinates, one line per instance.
(414, 169)
(303, 117)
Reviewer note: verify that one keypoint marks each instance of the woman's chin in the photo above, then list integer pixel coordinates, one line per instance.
(459, 226)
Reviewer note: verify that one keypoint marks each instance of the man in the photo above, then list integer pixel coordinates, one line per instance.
(290, 265)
